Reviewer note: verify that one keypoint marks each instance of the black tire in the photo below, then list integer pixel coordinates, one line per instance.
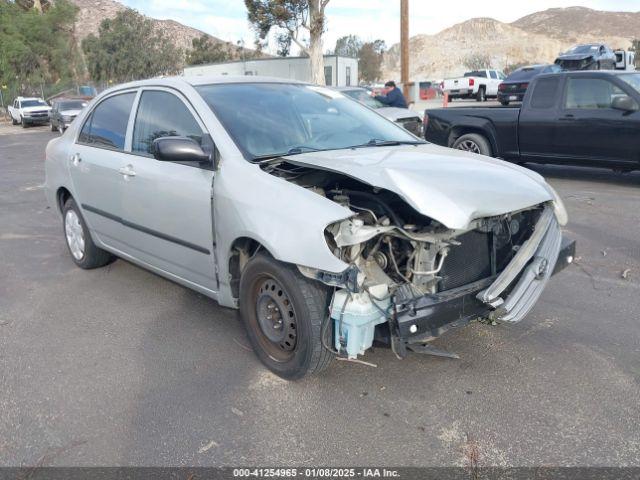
(23, 122)
(598, 66)
(504, 102)
(473, 142)
(481, 96)
(13, 121)
(53, 128)
(306, 305)
(93, 257)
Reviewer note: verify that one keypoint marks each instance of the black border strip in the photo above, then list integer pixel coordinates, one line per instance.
(146, 230)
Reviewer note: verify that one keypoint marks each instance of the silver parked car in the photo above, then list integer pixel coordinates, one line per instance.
(405, 117)
(327, 225)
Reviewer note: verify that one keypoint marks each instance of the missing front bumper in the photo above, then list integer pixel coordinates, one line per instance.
(428, 317)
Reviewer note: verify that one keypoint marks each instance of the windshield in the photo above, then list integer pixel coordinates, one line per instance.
(33, 103)
(79, 105)
(363, 97)
(271, 119)
(632, 79)
(584, 49)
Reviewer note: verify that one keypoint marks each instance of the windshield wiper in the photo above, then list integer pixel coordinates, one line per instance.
(292, 151)
(376, 142)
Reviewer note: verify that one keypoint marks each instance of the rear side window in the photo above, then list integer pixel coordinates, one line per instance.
(590, 93)
(493, 74)
(107, 124)
(545, 93)
(162, 114)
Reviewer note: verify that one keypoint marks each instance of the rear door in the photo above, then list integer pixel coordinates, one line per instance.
(167, 206)
(591, 130)
(95, 166)
(538, 124)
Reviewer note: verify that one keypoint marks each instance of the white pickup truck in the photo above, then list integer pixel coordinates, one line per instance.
(478, 84)
(28, 111)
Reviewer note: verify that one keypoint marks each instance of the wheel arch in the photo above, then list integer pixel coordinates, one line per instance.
(241, 250)
(62, 195)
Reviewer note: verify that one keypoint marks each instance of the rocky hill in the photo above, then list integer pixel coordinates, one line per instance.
(92, 12)
(536, 38)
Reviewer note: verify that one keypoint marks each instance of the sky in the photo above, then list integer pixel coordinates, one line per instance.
(369, 19)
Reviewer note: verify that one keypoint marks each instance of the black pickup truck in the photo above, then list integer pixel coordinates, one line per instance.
(589, 118)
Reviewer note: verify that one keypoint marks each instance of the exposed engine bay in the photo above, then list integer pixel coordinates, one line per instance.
(397, 255)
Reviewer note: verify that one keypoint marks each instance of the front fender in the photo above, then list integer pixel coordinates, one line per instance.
(286, 219)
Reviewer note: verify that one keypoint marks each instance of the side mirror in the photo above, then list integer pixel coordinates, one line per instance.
(624, 103)
(178, 149)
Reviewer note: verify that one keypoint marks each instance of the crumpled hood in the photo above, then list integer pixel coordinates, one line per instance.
(575, 56)
(450, 186)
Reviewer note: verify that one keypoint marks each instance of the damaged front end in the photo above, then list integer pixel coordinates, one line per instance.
(410, 278)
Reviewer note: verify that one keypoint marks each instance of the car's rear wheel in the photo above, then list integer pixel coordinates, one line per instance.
(283, 313)
(481, 95)
(473, 142)
(504, 102)
(84, 252)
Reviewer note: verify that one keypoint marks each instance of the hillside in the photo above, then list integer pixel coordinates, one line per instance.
(92, 12)
(538, 37)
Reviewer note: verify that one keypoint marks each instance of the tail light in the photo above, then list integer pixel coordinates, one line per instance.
(502, 87)
(524, 86)
(472, 82)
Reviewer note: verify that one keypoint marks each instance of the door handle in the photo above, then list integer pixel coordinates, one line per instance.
(76, 159)
(127, 171)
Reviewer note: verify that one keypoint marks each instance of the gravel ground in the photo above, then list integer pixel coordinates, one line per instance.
(118, 366)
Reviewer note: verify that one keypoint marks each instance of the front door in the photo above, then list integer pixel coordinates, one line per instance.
(95, 163)
(593, 131)
(167, 209)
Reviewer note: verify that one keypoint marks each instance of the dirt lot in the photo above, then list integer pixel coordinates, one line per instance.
(117, 366)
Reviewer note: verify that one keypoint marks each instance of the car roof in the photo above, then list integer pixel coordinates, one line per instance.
(590, 73)
(198, 80)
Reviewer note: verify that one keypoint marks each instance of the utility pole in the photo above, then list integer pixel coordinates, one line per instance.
(404, 47)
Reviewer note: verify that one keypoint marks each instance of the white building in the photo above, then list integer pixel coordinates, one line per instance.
(338, 71)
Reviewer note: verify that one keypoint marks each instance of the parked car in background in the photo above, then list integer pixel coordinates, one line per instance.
(404, 117)
(64, 111)
(515, 85)
(478, 84)
(587, 118)
(29, 111)
(590, 56)
(326, 224)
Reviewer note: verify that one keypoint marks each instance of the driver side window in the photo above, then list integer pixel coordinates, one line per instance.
(162, 114)
(590, 93)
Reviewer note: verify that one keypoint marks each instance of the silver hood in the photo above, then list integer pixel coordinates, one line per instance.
(395, 113)
(450, 186)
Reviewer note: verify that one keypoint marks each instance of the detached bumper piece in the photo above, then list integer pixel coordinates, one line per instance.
(507, 297)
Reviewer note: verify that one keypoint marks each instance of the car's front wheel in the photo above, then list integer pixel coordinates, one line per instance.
(84, 252)
(23, 122)
(283, 313)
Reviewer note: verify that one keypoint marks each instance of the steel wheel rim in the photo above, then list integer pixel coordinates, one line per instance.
(275, 319)
(469, 146)
(74, 233)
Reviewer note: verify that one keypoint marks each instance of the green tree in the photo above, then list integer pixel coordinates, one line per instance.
(205, 50)
(129, 47)
(36, 44)
(291, 21)
(348, 46)
(370, 60)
